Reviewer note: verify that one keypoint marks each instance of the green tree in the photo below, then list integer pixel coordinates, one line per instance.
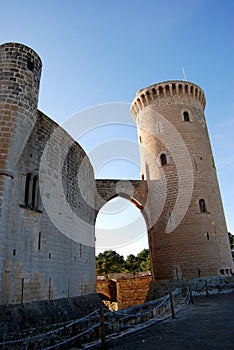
(144, 260)
(131, 263)
(109, 262)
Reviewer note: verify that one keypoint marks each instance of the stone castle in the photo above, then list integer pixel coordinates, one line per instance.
(47, 255)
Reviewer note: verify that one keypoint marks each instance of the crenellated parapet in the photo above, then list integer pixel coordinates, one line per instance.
(167, 93)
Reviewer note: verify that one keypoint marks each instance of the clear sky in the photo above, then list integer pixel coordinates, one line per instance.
(97, 52)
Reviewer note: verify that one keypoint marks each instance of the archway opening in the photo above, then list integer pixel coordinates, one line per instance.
(121, 227)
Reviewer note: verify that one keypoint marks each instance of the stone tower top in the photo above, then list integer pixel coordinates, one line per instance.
(20, 71)
(168, 92)
(20, 68)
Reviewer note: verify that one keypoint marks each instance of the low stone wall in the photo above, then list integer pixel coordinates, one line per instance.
(132, 291)
(124, 289)
(29, 320)
(198, 285)
(88, 328)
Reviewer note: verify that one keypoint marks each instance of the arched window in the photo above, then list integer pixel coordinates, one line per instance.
(27, 189)
(31, 191)
(186, 116)
(30, 64)
(35, 192)
(160, 89)
(173, 89)
(163, 158)
(202, 205)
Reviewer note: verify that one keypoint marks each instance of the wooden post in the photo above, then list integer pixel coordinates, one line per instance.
(101, 314)
(207, 290)
(191, 296)
(172, 307)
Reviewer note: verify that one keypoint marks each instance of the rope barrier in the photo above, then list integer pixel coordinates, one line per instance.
(73, 338)
(132, 315)
(120, 317)
(50, 332)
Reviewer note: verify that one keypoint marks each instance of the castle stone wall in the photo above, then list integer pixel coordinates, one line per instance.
(40, 261)
(49, 199)
(46, 224)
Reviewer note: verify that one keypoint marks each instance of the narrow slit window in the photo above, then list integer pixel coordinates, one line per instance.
(169, 218)
(39, 241)
(142, 177)
(163, 158)
(80, 250)
(202, 205)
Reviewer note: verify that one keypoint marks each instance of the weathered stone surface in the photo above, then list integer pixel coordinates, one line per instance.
(49, 198)
(184, 241)
(124, 289)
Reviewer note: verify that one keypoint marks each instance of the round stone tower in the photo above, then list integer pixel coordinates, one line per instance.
(20, 70)
(187, 234)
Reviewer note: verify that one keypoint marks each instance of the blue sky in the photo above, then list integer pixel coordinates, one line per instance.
(97, 52)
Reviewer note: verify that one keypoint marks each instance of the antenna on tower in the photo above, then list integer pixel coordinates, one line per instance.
(184, 73)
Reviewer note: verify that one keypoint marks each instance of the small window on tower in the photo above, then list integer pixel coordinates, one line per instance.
(186, 116)
(30, 64)
(39, 241)
(202, 205)
(163, 158)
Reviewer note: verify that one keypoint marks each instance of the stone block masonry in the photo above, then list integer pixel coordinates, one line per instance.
(124, 290)
(49, 199)
(188, 236)
(38, 261)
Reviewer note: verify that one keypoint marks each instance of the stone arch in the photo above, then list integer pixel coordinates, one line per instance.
(134, 191)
